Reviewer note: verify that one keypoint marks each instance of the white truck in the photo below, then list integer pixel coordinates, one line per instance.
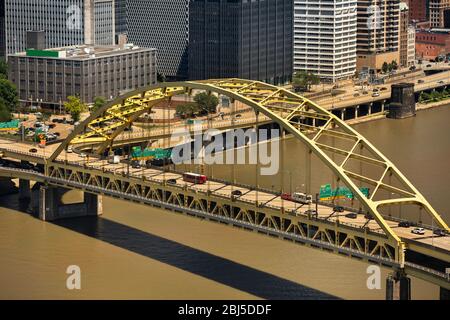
(302, 197)
(113, 159)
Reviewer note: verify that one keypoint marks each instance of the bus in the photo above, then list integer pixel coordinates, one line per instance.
(194, 178)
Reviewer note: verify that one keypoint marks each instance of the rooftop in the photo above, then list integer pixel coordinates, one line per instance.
(82, 52)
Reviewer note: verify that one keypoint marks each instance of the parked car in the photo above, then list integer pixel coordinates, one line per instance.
(418, 231)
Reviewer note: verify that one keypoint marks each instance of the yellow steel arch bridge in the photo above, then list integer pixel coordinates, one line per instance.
(309, 123)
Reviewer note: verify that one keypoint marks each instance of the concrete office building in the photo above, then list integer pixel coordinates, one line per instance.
(164, 25)
(403, 36)
(378, 33)
(437, 13)
(240, 38)
(50, 76)
(65, 22)
(2, 30)
(411, 59)
(325, 38)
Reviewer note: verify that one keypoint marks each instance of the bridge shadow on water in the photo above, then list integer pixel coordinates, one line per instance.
(210, 266)
(204, 264)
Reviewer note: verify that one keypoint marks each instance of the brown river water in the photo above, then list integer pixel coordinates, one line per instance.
(138, 252)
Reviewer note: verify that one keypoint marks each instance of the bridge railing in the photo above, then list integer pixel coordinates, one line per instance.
(284, 234)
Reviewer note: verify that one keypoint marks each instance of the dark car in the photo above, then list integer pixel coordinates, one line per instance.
(439, 232)
(172, 181)
(404, 224)
(135, 164)
(236, 193)
(338, 209)
(351, 215)
(52, 125)
(420, 81)
(33, 150)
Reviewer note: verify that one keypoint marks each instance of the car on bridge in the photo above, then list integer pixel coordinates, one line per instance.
(420, 231)
(404, 224)
(439, 232)
(338, 209)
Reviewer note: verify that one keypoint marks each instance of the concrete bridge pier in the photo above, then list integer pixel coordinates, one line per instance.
(398, 286)
(24, 189)
(444, 294)
(51, 207)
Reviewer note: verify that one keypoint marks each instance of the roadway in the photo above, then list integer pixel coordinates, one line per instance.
(19, 150)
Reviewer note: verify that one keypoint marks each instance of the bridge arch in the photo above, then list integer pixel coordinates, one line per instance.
(304, 119)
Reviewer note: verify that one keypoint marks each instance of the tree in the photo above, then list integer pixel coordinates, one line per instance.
(8, 93)
(5, 114)
(206, 102)
(74, 106)
(394, 65)
(160, 77)
(303, 80)
(424, 97)
(186, 110)
(98, 103)
(385, 67)
(3, 69)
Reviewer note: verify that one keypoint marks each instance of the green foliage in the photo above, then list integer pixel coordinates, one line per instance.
(187, 110)
(5, 114)
(3, 69)
(206, 102)
(160, 77)
(302, 81)
(388, 67)
(74, 107)
(98, 103)
(8, 94)
(434, 96)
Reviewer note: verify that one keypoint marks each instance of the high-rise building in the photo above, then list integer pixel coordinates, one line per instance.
(378, 33)
(164, 25)
(121, 16)
(2, 30)
(418, 10)
(403, 35)
(411, 59)
(437, 12)
(240, 38)
(65, 22)
(325, 38)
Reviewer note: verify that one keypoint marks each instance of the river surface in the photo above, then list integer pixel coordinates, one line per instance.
(138, 252)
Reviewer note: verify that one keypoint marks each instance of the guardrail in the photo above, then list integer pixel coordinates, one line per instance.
(283, 234)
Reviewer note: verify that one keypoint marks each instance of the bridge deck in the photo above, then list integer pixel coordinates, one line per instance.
(20, 151)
